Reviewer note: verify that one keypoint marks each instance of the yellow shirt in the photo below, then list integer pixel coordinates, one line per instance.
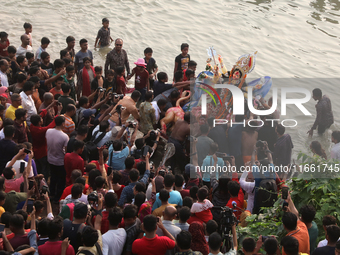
(10, 112)
(2, 210)
(159, 211)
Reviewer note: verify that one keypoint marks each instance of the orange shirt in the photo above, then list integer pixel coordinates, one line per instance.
(54, 92)
(36, 99)
(301, 234)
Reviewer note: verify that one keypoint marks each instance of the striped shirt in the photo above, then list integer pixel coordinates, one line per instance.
(69, 125)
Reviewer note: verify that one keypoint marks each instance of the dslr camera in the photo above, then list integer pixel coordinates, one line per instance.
(260, 144)
(116, 96)
(101, 89)
(92, 197)
(120, 108)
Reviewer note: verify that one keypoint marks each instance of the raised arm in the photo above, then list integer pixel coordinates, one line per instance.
(165, 231)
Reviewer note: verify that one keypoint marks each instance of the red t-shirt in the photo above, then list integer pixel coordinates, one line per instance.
(141, 79)
(185, 193)
(151, 246)
(67, 191)
(4, 52)
(54, 92)
(97, 164)
(119, 192)
(184, 76)
(19, 240)
(72, 161)
(121, 86)
(54, 248)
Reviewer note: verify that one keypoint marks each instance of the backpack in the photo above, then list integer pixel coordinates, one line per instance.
(266, 193)
(91, 146)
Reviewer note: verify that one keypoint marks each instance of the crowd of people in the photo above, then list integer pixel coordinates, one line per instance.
(77, 147)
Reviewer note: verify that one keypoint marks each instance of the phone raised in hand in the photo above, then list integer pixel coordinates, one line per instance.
(284, 192)
(2, 228)
(22, 167)
(30, 203)
(27, 151)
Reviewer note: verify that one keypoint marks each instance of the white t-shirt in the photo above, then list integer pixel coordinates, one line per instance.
(56, 141)
(335, 151)
(105, 139)
(2, 134)
(113, 241)
(249, 188)
(83, 198)
(157, 110)
(4, 79)
(16, 167)
(22, 51)
(28, 104)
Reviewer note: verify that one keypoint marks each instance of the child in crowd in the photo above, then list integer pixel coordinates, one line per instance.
(28, 30)
(44, 44)
(103, 35)
(141, 79)
(85, 77)
(83, 53)
(69, 79)
(236, 196)
(202, 207)
(151, 65)
(121, 82)
(4, 43)
(45, 63)
(30, 59)
(191, 66)
(110, 82)
(67, 62)
(71, 42)
(182, 60)
(22, 62)
(57, 89)
(98, 81)
(65, 54)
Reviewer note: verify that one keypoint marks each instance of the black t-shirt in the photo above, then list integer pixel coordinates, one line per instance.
(160, 87)
(182, 62)
(49, 68)
(70, 230)
(326, 250)
(110, 84)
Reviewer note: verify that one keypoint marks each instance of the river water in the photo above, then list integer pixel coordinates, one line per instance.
(294, 39)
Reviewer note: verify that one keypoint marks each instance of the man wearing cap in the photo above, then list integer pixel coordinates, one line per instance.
(3, 69)
(117, 57)
(142, 83)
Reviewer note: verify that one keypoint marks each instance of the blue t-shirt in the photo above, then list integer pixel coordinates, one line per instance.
(160, 87)
(80, 56)
(209, 162)
(117, 159)
(175, 198)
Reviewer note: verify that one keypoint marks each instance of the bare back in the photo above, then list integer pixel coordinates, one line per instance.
(249, 139)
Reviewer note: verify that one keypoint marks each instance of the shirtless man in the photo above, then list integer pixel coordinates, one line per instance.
(249, 139)
(178, 137)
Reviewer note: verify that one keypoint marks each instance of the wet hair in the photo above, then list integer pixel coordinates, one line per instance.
(270, 246)
(27, 25)
(11, 49)
(215, 241)
(178, 76)
(29, 55)
(184, 45)
(184, 213)
(249, 244)
(289, 220)
(115, 216)
(148, 50)
(290, 245)
(233, 188)
(148, 95)
(150, 223)
(45, 40)
(211, 227)
(328, 220)
(192, 63)
(317, 92)
(98, 69)
(307, 213)
(44, 55)
(135, 95)
(58, 63)
(20, 59)
(336, 135)
(187, 201)
(169, 180)
(280, 129)
(130, 211)
(89, 236)
(70, 39)
(134, 175)
(110, 200)
(129, 162)
(164, 195)
(183, 240)
(333, 233)
(82, 41)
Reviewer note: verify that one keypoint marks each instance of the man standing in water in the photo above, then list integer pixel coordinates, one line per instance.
(324, 114)
(117, 57)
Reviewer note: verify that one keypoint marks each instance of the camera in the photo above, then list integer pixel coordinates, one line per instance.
(120, 108)
(101, 89)
(132, 124)
(93, 197)
(120, 96)
(260, 144)
(44, 189)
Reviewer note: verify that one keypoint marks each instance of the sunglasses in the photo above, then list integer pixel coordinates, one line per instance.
(119, 44)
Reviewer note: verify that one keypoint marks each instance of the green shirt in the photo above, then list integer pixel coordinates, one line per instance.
(313, 235)
(13, 199)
